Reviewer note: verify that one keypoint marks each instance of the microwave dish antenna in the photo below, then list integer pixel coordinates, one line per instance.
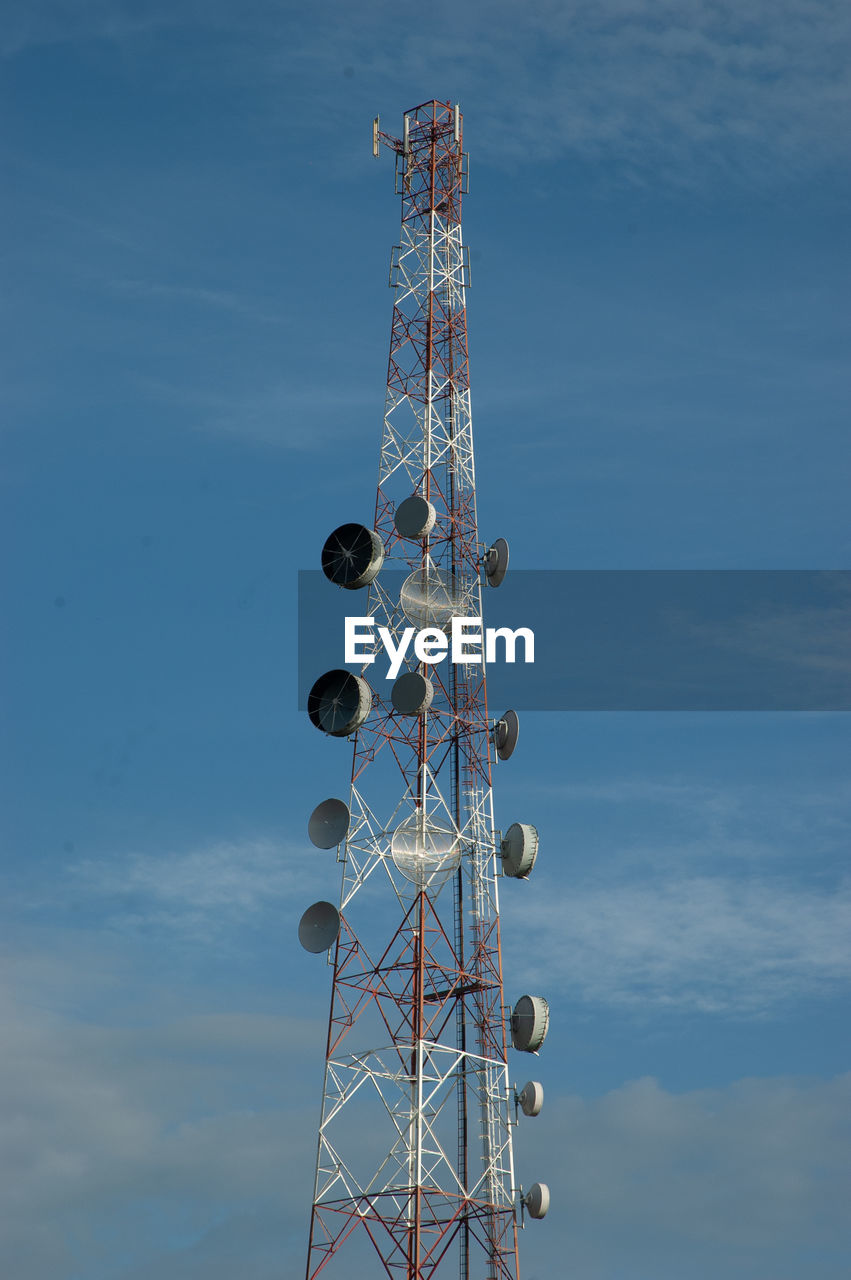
(339, 703)
(318, 927)
(412, 693)
(415, 518)
(496, 562)
(431, 597)
(519, 850)
(530, 1020)
(352, 556)
(329, 823)
(506, 731)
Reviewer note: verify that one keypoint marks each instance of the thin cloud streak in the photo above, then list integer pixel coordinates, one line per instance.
(200, 891)
(714, 946)
(217, 299)
(659, 90)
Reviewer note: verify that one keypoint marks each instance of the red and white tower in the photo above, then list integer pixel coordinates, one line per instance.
(415, 1173)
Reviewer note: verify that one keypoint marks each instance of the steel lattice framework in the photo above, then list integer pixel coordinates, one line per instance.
(414, 1174)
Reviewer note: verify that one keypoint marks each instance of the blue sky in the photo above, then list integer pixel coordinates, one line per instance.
(195, 328)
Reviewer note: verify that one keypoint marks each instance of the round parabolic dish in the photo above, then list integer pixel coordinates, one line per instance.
(318, 927)
(328, 824)
(519, 849)
(412, 693)
(530, 1020)
(414, 517)
(352, 556)
(537, 1200)
(531, 1098)
(339, 703)
(427, 853)
(507, 733)
(430, 597)
(496, 562)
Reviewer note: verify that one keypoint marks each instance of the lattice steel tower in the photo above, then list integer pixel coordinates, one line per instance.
(415, 1173)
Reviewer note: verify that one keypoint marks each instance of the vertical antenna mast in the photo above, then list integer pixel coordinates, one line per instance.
(415, 1173)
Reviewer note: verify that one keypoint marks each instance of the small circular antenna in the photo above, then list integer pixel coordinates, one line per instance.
(318, 927)
(352, 556)
(328, 824)
(505, 735)
(530, 1020)
(519, 849)
(496, 562)
(425, 852)
(537, 1200)
(414, 518)
(531, 1098)
(412, 693)
(339, 703)
(431, 597)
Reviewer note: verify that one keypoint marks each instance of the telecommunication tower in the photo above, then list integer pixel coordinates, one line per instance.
(415, 1171)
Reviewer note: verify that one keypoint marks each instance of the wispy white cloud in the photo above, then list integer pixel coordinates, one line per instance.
(120, 1143)
(217, 299)
(800, 635)
(665, 91)
(286, 415)
(714, 945)
(728, 900)
(200, 891)
(153, 1149)
(742, 1181)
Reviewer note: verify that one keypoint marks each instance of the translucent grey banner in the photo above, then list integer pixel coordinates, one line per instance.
(633, 640)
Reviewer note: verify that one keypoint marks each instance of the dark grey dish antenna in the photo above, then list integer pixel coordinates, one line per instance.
(519, 849)
(412, 693)
(530, 1020)
(414, 518)
(352, 556)
(506, 731)
(339, 703)
(318, 927)
(496, 562)
(328, 824)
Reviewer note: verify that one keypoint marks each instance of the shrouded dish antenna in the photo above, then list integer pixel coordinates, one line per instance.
(519, 849)
(537, 1200)
(328, 824)
(426, 852)
(352, 556)
(339, 703)
(414, 518)
(319, 926)
(412, 693)
(506, 731)
(531, 1098)
(496, 562)
(530, 1020)
(430, 597)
